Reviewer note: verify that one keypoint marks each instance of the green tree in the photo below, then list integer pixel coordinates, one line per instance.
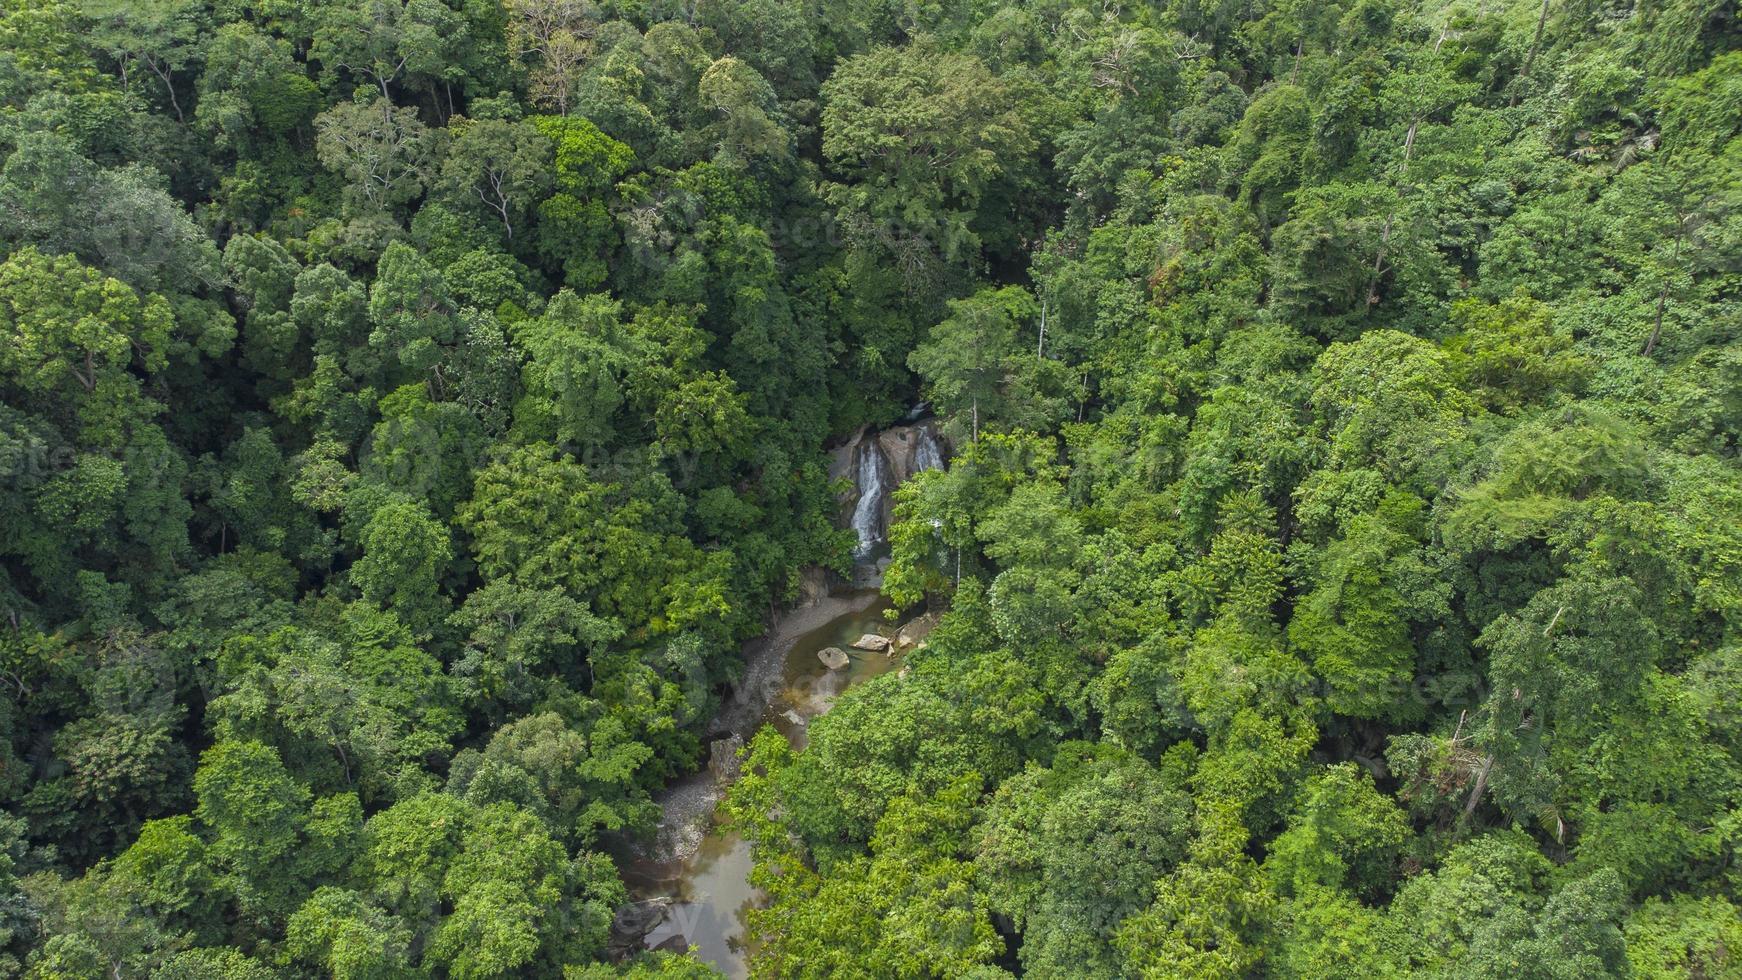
(1043, 847)
(971, 365)
(577, 370)
(750, 125)
(500, 167)
(164, 37)
(122, 220)
(255, 810)
(380, 150)
(405, 552)
(928, 133)
(579, 783)
(517, 635)
(339, 932)
(365, 708)
(66, 322)
(411, 310)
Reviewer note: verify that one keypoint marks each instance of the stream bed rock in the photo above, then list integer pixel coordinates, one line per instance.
(632, 923)
(723, 759)
(914, 631)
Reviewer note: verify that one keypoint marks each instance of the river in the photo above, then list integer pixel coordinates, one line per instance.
(693, 863)
(704, 869)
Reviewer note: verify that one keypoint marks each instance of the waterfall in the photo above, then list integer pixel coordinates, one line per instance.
(927, 454)
(868, 512)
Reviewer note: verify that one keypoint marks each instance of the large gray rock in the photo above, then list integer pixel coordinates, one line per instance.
(723, 759)
(842, 457)
(843, 465)
(911, 448)
(636, 920)
(915, 630)
(872, 642)
(834, 658)
(813, 585)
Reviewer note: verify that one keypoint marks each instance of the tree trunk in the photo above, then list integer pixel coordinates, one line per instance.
(168, 86)
(1480, 787)
(1530, 59)
(1657, 325)
(1379, 262)
(1675, 255)
(1390, 219)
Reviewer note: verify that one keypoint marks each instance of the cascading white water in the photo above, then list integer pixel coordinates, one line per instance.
(927, 454)
(868, 512)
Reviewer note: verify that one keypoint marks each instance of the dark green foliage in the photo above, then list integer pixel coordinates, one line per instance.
(408, 407)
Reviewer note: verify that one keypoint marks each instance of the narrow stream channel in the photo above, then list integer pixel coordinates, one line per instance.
(701, 867)
(691, 884)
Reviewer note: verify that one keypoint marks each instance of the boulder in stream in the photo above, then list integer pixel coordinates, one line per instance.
(872, 642)
(634, 921)
(833, 658)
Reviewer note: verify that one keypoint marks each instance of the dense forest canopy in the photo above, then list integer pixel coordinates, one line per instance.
(408, 407)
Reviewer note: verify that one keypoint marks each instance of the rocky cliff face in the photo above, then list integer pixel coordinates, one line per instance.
(877, 463)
